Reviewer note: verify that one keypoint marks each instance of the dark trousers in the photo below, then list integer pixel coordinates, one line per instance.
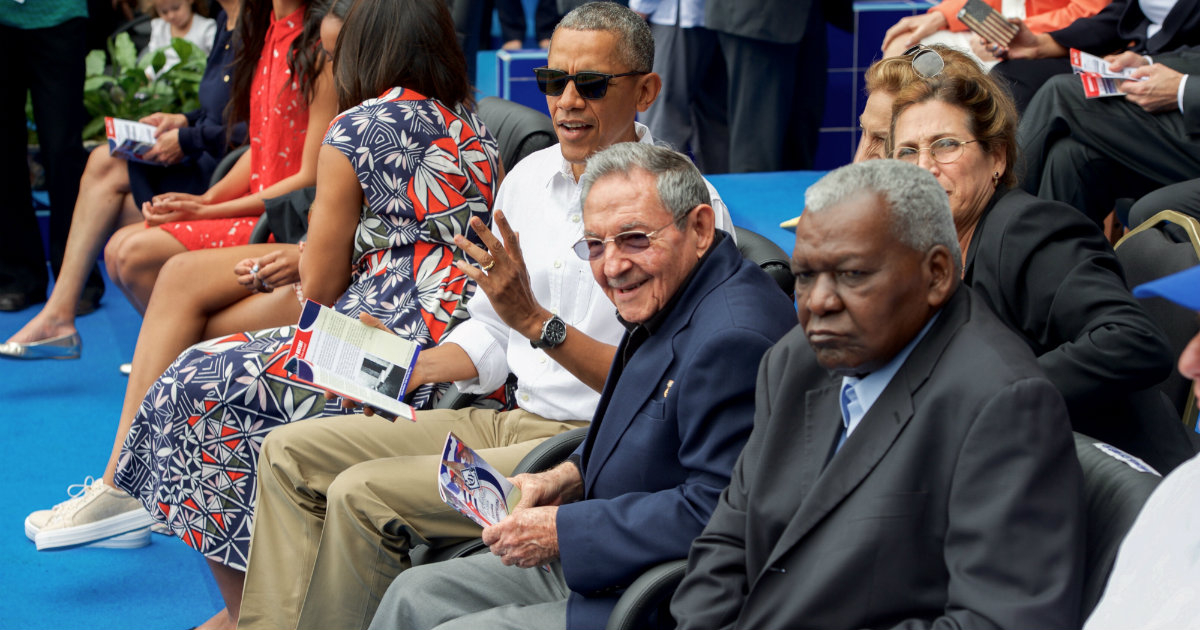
(1025, 76)
(776, 99)
(689, 112)
(48, 64)
(1089, 153)
(512, 19)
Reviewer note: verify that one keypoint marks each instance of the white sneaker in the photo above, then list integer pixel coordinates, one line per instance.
(130, 540)
(95, 515)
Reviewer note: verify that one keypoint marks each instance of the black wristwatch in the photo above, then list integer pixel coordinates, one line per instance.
(554, 332)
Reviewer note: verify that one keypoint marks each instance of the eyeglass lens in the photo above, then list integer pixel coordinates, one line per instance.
(628, 242)
(943, 151)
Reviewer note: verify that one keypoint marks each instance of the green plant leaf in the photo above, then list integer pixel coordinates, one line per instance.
(94, 63)
(94, 129)
(124, 52)
(91, 84)
(158, 60)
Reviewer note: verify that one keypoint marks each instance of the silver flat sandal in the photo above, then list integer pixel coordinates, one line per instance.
(64, 347)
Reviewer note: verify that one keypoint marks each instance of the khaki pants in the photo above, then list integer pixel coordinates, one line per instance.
(341, 501)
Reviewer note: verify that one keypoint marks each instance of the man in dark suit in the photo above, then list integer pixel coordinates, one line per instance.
(674, 413)
(945, 490)
(1090, 152)
(1123, 25)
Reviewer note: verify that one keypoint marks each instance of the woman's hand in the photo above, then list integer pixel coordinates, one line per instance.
(266, 273)
(350, 404)
(170, 207)
(909, 32)
(982, 49)
(166, 149)
(164, 122)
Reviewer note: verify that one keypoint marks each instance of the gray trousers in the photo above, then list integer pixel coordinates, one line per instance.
(690, 111)
(1184, 197)
(473, 593)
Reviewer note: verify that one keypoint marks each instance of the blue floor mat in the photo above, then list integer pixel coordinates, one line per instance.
(61, 417)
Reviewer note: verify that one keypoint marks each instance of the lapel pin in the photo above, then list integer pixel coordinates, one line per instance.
(668, 389)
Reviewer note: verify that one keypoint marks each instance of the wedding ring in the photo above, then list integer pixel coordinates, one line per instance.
(488, 266)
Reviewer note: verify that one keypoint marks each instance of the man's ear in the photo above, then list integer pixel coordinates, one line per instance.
(702, 223)
(939, 265)
(648, 88)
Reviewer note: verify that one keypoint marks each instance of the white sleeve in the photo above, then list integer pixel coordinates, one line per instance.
(484, 337)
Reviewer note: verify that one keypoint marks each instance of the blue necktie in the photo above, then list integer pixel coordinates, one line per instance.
(850, 409)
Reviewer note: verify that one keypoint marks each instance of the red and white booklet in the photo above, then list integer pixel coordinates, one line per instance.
(345, 356)
(1098, 80)
(129, 139)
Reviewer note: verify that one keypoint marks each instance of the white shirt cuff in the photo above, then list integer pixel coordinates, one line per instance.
(1179, 94)
(487, 355)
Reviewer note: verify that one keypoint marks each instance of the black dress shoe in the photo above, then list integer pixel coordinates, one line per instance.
(20, 300)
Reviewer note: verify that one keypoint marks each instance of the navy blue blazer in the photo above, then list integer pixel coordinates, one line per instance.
(667, 433)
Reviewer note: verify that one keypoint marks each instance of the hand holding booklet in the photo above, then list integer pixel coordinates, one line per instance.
(129, 139)
(342, 355)
(470, 485)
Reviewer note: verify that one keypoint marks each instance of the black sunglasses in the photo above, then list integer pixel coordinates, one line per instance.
(590, 85)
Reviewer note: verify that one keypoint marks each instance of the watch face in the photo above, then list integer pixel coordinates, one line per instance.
(554, 332)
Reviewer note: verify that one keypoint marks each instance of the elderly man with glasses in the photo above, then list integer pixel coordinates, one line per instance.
(676, 409)
(341, 503)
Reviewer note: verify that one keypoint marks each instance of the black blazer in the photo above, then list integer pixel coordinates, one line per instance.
(1122, 22)
(1050, 274)
(957, 498)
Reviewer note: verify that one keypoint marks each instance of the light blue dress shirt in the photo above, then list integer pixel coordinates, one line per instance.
(858, 394)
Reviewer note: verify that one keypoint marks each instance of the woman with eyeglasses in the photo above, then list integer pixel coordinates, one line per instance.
(1042, 266)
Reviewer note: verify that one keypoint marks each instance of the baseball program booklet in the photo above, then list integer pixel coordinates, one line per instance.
(1098, 80)
(470, 485)
(129, 139)
(342, 355)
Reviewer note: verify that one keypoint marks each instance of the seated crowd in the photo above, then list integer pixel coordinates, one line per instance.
(902, 457)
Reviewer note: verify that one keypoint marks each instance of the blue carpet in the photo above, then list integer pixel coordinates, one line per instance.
(61, 417)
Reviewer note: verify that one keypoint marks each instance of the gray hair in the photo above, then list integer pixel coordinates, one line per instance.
(635, 43)
(678, 182)
(920, 210)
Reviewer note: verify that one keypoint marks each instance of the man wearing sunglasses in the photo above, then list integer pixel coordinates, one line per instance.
(675, 412)
(362, 490)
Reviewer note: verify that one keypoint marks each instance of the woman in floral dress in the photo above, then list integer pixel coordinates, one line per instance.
(399, 176)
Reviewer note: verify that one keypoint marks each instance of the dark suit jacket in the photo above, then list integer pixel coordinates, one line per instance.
(1122, 22)
(779, 21)
(1050, 274)
(667, 432)
(956, 501)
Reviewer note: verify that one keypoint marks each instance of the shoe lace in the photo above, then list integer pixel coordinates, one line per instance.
(78, 492)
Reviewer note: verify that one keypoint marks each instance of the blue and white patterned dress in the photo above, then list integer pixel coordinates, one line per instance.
(192, 452)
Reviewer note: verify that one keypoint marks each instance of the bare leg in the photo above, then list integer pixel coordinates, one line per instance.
(103, 204)
(197, 297)
(137, 256)
(229, 581)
